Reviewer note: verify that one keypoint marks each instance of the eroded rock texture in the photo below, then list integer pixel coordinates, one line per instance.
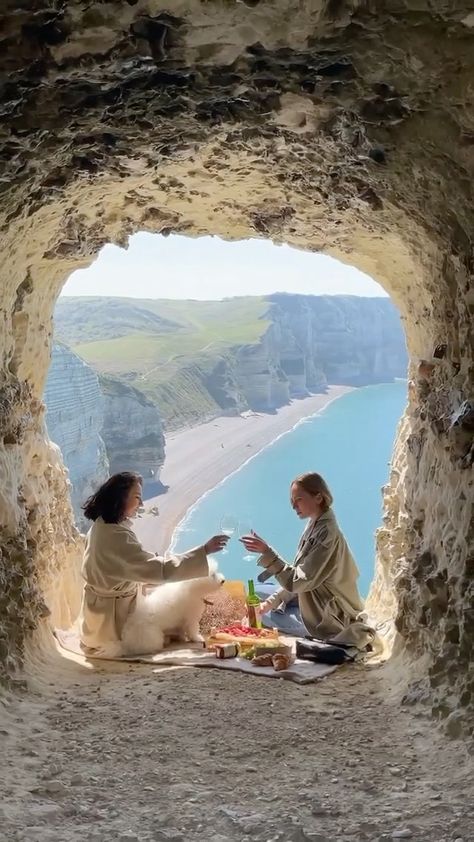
(132, 430)
(344, 126)
(74, 419)
(315, 340)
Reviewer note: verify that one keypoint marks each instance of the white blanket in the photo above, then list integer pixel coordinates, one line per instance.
(301, 672)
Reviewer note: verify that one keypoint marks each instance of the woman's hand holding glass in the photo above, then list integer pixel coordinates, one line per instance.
(216, 544)
(245, 528)
(254, 544)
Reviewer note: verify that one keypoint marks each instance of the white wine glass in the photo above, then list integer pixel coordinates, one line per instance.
(227, 527)
(245, 528)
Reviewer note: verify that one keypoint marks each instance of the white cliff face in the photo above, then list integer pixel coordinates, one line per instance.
(132, 430)
(356, 340)
(316, 340)
(74, 419)
(101, 426)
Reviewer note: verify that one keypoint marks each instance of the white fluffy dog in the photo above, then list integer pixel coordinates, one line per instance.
(173, 610)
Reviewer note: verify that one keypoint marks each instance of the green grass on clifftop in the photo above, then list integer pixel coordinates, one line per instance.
(164, 348)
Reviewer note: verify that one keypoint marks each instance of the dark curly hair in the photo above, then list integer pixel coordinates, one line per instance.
(110, 499)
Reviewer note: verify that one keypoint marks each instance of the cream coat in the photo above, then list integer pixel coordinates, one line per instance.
(114, 564)
(323, 576)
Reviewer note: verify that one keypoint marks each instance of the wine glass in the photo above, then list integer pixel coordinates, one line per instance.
(245, 528)
(228, 526)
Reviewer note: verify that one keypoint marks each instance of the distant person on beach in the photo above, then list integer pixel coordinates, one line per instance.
(115, 563)
(318, 593)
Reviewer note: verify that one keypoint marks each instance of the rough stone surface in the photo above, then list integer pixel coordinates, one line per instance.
(337, 126)
(113, 759)
(74, 419)
(132, 430)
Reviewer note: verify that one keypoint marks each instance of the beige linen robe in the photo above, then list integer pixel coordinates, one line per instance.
(114, 564)
(323, 576)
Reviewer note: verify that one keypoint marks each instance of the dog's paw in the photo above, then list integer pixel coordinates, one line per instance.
(109, 650)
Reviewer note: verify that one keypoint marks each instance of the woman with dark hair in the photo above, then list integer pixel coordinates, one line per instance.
(115, 563)
(318, 593)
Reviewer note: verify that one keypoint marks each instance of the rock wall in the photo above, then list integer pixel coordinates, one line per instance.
(316, 340)
(74, 419)
(101, 426)
(332, 126)
(259, 376)
(132, 430)
(222, 385)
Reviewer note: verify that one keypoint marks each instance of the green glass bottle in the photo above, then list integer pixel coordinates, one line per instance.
(252, 605)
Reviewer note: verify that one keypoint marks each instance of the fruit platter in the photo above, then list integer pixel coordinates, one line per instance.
(262, 647)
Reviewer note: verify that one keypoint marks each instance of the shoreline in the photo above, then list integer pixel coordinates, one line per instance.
(200, 458)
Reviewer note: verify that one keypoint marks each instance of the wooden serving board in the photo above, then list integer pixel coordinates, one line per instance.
(249, 639)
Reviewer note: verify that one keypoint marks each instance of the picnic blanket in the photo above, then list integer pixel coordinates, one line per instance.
(193, 655)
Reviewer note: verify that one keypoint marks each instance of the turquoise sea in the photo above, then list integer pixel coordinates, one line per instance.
(350, 443)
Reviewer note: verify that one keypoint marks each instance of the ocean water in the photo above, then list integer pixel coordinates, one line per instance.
(349, 442)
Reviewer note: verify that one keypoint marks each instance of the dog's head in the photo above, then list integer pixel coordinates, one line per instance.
(214, 580)
(214, 574)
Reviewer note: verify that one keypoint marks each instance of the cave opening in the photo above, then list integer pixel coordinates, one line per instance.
(291, 135)
(174, 333)
(43, 483)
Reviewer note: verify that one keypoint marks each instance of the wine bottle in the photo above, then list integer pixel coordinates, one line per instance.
(253, 602)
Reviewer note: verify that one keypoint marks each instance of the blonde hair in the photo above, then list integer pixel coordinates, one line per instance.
(314, 484)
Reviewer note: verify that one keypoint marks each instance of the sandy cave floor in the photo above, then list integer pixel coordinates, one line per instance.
(124, 753)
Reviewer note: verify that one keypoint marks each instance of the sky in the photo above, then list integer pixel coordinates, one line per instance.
(208, 268)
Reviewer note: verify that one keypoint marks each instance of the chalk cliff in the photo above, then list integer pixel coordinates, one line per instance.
(132, 430)
(101, 426)
(74, 418)
(316, 340)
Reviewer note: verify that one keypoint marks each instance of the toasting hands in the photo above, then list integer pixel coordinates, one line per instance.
(254, 544)
(215, 544)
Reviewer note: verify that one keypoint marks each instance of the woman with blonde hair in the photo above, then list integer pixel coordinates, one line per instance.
(318, 594)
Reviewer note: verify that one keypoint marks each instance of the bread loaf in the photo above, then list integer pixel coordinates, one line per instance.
(263, 660)
(281, 662)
